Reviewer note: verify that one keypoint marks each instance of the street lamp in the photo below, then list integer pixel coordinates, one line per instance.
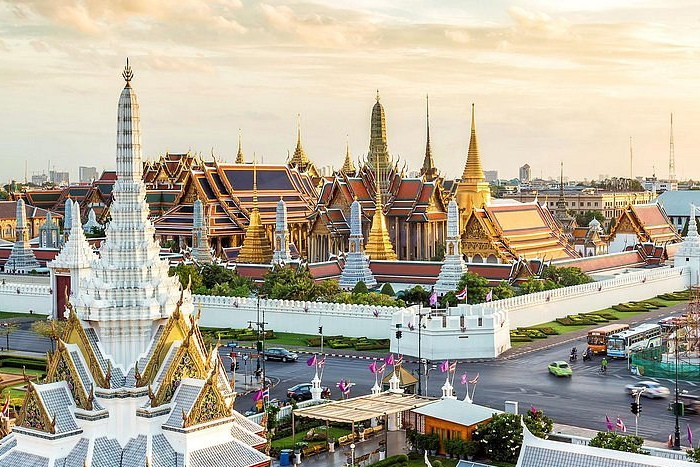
(352, 454)
(420, 360)
(676, 409)
(260, 344)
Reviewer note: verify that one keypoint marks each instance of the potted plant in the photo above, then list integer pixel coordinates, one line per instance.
(433, 443)
(469, 449)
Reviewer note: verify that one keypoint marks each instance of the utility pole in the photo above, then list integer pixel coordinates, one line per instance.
(676, 405)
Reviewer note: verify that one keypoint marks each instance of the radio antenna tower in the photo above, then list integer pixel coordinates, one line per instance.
(631, 176)
(671, 156)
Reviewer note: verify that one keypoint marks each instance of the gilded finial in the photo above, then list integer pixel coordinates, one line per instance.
(127, 74)
(377, 95)
(255, 181)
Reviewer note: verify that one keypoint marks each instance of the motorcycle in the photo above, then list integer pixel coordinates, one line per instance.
(587, 355)
(572, 357)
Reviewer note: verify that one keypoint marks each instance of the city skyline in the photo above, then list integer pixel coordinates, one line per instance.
(550, 82)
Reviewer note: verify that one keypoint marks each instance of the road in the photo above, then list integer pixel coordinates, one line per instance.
(582, 400)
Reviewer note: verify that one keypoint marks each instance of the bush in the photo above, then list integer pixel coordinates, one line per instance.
(389, 461)
(360, 288)
(612, 440)
(500, 438)
(387, 289)
(549, 331)
(23, 362)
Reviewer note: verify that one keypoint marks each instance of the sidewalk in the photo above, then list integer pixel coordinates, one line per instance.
(395, 443)
(552, 341)
(560, 429)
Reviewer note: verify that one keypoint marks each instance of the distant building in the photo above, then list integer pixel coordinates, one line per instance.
(659, 186)
(491, 175)
(525, 173)
(59, 178)
(39, 179)
(87, 174)
(677, 205)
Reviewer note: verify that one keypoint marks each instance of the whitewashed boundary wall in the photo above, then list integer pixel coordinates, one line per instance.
(23, 298)
(300, 317)
(542, 307)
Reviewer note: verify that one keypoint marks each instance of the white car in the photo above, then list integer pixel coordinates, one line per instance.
(651, 389)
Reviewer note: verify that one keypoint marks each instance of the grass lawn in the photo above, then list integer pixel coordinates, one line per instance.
(18, 371)
(290, 338)
(333, 432)
(11, 314)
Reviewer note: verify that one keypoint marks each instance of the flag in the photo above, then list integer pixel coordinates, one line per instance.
(489, 296)
(258, 395)
(266, 393)
(464, 378)
(444, 366)
(463, 294)
(621, 425)
(433, 298)
(411, 327)
(312, 361)
(475, 380)
(398, 360)
(609, 423)
(389, 360)
(453, 367)
(533, 410)
(382, 368)
(690, 436)
(322, 362)
(376, 313)
(373, 367)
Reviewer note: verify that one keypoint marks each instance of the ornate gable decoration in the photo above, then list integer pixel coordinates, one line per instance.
(187, 363)
(209, 405)
(61, 368)
(175, 330)
(33, 414)
(75, 334)
(476, 240)
(626, 224)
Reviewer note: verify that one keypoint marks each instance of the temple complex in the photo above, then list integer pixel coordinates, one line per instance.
(22, 259)
(473, 191)
(642, 223)
(131, 382)
(256, 247)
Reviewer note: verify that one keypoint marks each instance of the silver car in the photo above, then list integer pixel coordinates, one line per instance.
(651, 389)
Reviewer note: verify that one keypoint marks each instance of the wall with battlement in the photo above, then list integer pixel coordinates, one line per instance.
(293, 316)
(19, 297)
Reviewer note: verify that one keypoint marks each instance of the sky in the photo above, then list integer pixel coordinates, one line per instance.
(560, 80)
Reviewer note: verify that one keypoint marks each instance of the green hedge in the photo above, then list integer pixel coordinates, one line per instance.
(389, 461)
(23, 362)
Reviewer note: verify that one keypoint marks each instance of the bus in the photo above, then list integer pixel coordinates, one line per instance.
(622, 344)
(598, 338)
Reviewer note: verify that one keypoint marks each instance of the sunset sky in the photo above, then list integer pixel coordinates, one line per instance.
(552, 80)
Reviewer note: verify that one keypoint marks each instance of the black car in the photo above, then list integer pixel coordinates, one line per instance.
(280, 354)
(302, 392)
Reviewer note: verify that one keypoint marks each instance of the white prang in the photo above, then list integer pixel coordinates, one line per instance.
(688, 255)
(22, 259)
(129, 291)
(453, 266)
(76, 255)
(92, 222)
(356, 262)
(281, 254)
(200, 234)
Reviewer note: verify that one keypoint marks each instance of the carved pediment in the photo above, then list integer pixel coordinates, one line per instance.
(75, 334)
(62, 368)
(187, 363)
(33, 414)
(210, 404)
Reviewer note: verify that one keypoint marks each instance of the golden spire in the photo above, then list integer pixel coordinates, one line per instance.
(378, 158)
(256, 248)
(348, 167)
(472, 169)
(428, 170)
(379, 244)
(299, 159)
(239, 156)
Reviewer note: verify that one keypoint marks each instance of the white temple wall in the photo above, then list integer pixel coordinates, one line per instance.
(622, 241)
(293, 316)
(23, 298)
(541, 307)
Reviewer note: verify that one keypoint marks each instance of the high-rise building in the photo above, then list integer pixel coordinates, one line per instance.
(491, 175)
(59, 178)
(525, 174)
(87, 174)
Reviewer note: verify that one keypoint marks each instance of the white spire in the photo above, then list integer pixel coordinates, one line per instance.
(281, 254)
(356, 262)
(76, 252)
(688, 255)
(200, 235)
(447, 389)
(22, 257)
(453, 266)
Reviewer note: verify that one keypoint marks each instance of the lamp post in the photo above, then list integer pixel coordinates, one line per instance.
(352, 454)
(260, 344)
(676, 410)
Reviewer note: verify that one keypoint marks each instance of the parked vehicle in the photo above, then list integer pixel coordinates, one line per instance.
(652, 389)
(560, 368)
(302, 392)
(278, 353)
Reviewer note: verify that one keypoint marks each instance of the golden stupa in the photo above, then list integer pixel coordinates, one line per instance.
(379, 244)
(256, 247)
(473, 190)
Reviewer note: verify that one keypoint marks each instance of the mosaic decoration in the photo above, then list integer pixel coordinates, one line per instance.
(33, 414)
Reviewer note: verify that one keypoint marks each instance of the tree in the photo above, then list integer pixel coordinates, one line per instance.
(477, 287)
(538, 423)
(287, 283)
(95, 232)
(327, 290)
(584, 219)
(213, 274)
(503, 290)
(693, 454)
(565, 277)
(500, 438)
(416, 294)
(52, 329)
(360, 288)
(613, 440)
(387, 289)
(532, 285)
(186, 271)
(439, 253)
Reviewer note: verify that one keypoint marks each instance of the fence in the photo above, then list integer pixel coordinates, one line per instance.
(285, 411)
(653, 451)
(656, 362)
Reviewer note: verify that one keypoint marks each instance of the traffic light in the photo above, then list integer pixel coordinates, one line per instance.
(678, 408)
(634, 408)
(320, 329)
(398, 334)
(259, 346)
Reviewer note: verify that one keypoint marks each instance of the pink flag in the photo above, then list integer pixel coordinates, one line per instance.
(433, 298)
(258, 395)
(533, 410)
(489, 296)
(382, 368)
(444, 366)
(690, 437)
(464, 378)
(389, 360)
(311, 361)
(373, 367)
(609, 423)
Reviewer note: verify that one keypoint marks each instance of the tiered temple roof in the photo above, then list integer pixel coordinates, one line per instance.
(648, 222)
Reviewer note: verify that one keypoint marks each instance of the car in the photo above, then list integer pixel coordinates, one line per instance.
(560, 368)
(278, 353)
(302, 392)
(651, 389)
(232, 345)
